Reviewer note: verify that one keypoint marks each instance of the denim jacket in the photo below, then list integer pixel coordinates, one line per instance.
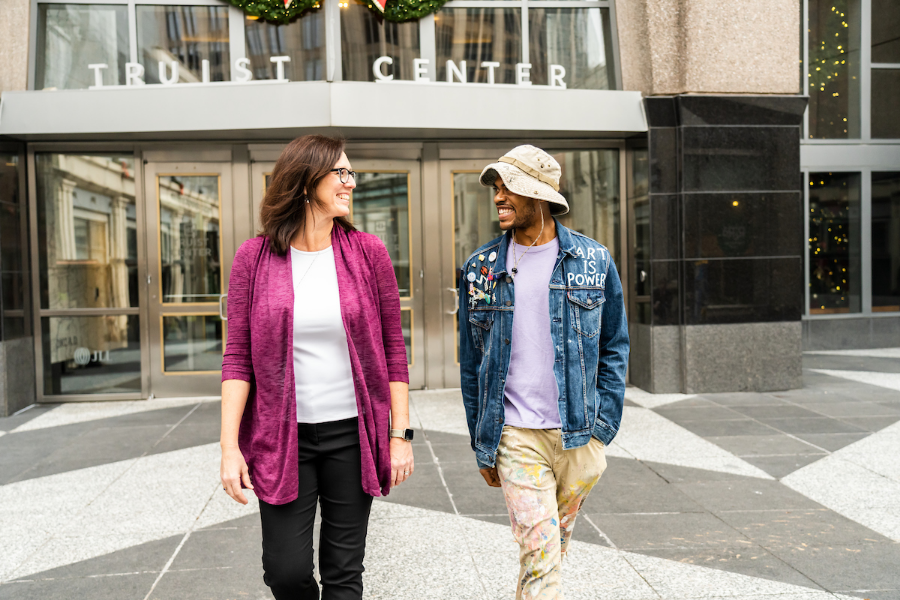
(587, 326)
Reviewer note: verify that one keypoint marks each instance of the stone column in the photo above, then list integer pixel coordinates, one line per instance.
(726, 226)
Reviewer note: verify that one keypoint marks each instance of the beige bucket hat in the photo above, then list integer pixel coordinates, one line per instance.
(529, 171)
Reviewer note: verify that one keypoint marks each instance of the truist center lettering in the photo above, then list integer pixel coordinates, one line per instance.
(381, 69)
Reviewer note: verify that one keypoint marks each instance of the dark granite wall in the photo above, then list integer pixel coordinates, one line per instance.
(726, 222)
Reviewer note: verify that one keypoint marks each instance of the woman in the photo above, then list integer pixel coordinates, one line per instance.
(314, 375)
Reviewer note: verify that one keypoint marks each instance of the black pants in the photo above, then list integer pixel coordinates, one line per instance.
(330, 473)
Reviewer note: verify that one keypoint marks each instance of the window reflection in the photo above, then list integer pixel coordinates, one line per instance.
(91, 355)
(477, 35)
(589, 183)
(833, 75)
(303, 40)
(640, 176)
(192, 343)
(886, 242)
(365, 37)
(189, 238)
(835, 279)
(87, 231)
(885, 25)
(72, 36)
(186, 35)
(885, 94)
(12, 267)
(406, 319)
(574, 38)
(381, 207)
(476, 217)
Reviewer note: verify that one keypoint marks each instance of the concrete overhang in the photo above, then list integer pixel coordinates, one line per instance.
(358, 110)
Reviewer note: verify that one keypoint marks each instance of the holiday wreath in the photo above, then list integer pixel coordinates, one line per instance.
(282, 11)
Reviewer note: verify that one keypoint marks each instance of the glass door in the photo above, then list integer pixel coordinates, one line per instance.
(468, 213)
(190, 248)
(386, 203)
(593, 184)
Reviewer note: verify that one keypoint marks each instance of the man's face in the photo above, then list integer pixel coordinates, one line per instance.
(514, 211)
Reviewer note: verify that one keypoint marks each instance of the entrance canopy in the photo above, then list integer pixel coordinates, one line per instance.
(361, 110)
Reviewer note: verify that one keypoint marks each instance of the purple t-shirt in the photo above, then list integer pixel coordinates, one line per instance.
(532, 397)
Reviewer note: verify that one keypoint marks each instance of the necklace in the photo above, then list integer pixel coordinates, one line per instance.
(515, 268)
(311, 263)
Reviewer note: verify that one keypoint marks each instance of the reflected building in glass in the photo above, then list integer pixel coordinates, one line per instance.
(743, 199)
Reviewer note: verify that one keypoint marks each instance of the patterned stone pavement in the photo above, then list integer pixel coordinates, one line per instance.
(787, 495)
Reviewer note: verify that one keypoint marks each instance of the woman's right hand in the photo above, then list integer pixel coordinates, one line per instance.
(234, 471)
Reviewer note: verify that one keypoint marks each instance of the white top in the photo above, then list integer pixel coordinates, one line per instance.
(322, 373)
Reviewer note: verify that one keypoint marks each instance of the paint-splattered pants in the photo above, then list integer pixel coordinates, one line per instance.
(544, 487)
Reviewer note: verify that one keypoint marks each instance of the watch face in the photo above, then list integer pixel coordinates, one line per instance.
(409, 435)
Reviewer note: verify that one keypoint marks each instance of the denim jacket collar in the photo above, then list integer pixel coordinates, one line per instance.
(566, 244)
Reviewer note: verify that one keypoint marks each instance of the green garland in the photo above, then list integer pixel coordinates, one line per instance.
(396, 11)
(399, 11)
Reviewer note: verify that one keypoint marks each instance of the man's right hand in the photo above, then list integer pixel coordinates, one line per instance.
(491, 477)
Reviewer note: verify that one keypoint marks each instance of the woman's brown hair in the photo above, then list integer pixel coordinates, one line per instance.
(302, 166)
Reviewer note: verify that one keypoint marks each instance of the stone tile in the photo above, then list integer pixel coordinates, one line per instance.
(440, 437)
(720, 428)
(708, 412)
(832, 441)
(587, 533)
(187, 436)
(753, 445)
(851, 363)
(447, 453)
(809, 395)
(13, 421)
(481, 500)
(751, 560)
(149, 557)
(677, 474)
(109, 444)
(873, 424)
(626, 471)
(650, 437)
(132, 586)
(744, 494)
(216, 548)
(784, 411)
(781, 466)
(433, 498)
(814, 425)
(620, 499)
(226, 582)
(744, 399)
(800, 529)
(859, 567)
(854, 409)
(669, 531)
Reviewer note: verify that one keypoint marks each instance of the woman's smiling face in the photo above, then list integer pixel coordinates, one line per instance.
(332, 195)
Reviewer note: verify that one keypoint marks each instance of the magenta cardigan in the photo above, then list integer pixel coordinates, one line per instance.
(260, 351)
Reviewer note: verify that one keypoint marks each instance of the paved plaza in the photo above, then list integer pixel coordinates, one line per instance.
(788, 495)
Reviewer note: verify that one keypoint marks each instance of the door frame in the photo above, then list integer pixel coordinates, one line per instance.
(187, 383)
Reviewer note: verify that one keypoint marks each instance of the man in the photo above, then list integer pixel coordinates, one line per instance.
(543, 354)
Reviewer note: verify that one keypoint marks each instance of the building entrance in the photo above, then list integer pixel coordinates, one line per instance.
(133, 251)
(190, 245)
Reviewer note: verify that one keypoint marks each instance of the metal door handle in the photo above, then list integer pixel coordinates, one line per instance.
(221, 311)
(455, 301)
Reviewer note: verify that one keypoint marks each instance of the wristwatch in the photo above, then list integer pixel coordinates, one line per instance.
(406, 434)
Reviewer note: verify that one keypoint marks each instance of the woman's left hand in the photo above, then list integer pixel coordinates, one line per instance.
(401, 461)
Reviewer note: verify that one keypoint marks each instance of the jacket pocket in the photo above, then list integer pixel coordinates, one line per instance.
(585, 308)
(480, 322)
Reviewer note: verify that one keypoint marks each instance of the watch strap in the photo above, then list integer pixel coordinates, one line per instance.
(406, 434)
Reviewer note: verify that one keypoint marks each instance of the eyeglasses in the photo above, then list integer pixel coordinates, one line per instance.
(345, 174)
